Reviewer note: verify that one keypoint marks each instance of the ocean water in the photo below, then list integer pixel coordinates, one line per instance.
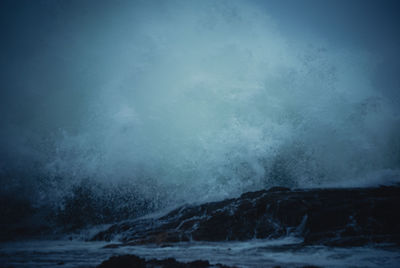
(286, 252)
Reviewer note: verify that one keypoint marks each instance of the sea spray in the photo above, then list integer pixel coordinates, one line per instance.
(212, 100)
(189, 101)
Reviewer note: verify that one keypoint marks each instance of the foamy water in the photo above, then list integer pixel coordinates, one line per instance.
(286, 252)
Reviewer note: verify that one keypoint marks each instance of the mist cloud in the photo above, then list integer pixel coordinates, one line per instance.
(199, 99)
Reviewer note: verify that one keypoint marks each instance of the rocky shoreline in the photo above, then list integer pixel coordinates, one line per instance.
(341, 217)
(278, 227)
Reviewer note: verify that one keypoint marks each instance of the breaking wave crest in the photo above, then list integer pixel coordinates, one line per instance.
(207, 100)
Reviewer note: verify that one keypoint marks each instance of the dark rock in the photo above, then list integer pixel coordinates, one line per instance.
(133, 261)
(124, 261)
(335, 217)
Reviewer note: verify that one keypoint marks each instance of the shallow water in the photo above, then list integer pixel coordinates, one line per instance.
(286, 252)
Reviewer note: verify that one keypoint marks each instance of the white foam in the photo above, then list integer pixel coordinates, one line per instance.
(255, 253)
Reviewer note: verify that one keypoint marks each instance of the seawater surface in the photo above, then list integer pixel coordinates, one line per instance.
(286, 252)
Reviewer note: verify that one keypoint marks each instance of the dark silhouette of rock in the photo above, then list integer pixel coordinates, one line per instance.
(132, 261)
(335, 217)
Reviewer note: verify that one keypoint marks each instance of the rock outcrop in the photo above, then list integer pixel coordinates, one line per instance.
(334, 217)
(133, 261)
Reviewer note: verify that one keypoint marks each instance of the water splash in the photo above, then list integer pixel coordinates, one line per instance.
(206, 100)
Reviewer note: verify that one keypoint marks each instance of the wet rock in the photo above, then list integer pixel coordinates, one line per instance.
(133, 261)
(335, 217)
(123, 261)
